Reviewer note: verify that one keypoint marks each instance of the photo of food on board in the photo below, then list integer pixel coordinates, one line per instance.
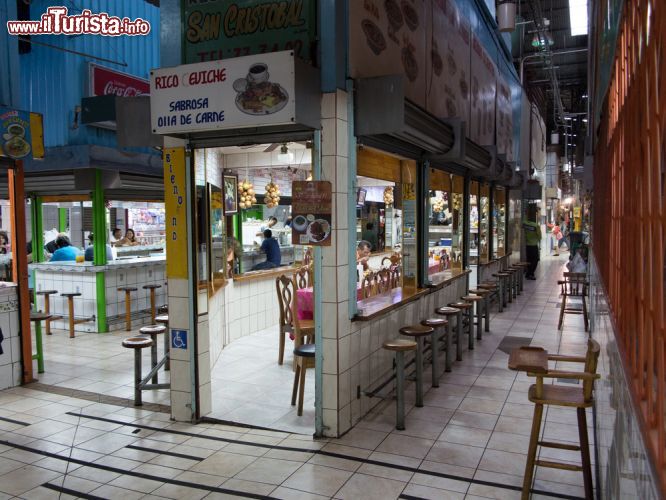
(257, 95)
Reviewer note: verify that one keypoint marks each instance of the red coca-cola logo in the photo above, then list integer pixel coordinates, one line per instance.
(109, 82)
(113, 88)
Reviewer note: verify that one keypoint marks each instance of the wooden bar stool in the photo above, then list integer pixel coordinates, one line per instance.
(467, 312)
(476, 300)
(573, 285)
(436, 323)
(450, 312)
(37, 318)
(153, 331)
(163, 319)
(400, 346)
(485, 295)
(493, 288)
(153, 309)
(137, 343)
(70, 308)
(47, 308)
(128, 305)
(418, 332)
(534, 361)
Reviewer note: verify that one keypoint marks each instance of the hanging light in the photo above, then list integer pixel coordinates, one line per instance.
(506, 15)
(535, 42)
(285, 156)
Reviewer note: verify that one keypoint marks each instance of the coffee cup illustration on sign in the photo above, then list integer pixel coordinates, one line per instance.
(257, 95)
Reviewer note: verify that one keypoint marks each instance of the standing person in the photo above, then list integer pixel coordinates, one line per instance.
(370, 235)
(556, 236)
(532, 241)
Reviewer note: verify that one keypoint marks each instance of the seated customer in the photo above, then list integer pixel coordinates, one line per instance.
(89, 254)
(271, 248)
(363, 254)
(65, 251)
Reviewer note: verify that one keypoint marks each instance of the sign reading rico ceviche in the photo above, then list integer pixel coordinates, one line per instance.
(233, 93)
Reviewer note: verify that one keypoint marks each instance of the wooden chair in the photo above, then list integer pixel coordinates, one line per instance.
(383, 281)
(395, 276)
(393, 260)
(369, 285)
(304, 277)
(284, 288)
(304, 351)
(573, 396)
(573, 285)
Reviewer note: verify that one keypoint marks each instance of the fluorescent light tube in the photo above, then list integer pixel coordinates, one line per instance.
(578, 17)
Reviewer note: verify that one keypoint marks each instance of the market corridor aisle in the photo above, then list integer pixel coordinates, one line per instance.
(468, 441)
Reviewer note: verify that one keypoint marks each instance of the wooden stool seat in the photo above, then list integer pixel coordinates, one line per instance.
(435, 322)
(128, 305)
(400, 345)
(39, 316)
(47, 292)
(162, 319)
(73, 294)
(416, 330)
(151, 287)
(489, 286)
(565, 396)
(472, 298)
(461, 305)
(480, 292)
(305, 350)
(127, 289)
(447, 311)
(137, 342)
(501, 275)
(152, 330)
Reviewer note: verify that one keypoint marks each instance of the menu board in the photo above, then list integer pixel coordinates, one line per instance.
(448, 68)
(484, 81)
(387, 37)
(504, 119)
(311, 211)
(15, 133)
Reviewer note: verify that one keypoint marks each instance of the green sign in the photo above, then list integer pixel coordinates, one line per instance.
(219, 29)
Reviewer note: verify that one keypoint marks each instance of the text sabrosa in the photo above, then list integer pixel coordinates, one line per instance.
(191, 79)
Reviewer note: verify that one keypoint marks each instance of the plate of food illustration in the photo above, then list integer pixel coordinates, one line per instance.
(318, 230)
(16, 147)
(257, 95)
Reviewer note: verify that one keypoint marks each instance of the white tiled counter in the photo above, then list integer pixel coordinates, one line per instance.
(10, 358)
(69, 277)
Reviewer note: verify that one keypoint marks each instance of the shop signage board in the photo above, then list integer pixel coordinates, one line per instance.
(175, 190)
(105, 81)
(219, 29)
(387, 37)
(248, 91)
(504, 129)
(16, 137)
(483, 89)
(311, 211)
(448, 62)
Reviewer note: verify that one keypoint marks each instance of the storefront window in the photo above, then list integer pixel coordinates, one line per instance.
(474, 223)
(499, 223)
(445, 215)
(484, 223)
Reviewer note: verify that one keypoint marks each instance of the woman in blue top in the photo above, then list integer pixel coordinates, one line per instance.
(65, 251)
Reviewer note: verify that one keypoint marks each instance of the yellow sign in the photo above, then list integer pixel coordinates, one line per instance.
(175, 191)
(577, 212)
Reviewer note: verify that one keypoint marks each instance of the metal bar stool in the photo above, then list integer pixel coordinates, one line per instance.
(400, 346)
(418, 332)
(485, 294)
(137, 343)
(493, 288)
(153, 308)
(467, 310)
(503, 278)
(449, 312)
(47, 309)
(128, 305)
(436, 323)
(163, 319)
(478, 301)
(153, 331)
(37, 318)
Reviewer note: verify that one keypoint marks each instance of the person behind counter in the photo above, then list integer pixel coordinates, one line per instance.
(370, 235)
(89, 254)
(271, 248)
(129, 240)
(65, 251)
(272, 220)
(116, 236)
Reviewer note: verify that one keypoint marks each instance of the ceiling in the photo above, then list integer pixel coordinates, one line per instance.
(564, 62)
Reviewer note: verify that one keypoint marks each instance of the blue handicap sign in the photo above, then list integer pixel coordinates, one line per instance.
(178, 339)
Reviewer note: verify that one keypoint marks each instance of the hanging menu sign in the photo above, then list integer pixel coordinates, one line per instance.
(218, 29)
(311, 210)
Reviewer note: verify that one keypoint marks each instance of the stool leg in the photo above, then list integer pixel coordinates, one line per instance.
(137, 377)
(70, 305)
(531, 451)
(153, 356)
(40, 347)
(47, 310)
(301, 389)
(152, 306)
(400, 390)
(500, 296)
(294, 389)
(459, 336)
(470, 328)
(449, 348)
(419, 372)
(585, 452)
(509, 288)
(486, 309)
(128, 311)
(435, 361)
(167, 364)
(479, 320)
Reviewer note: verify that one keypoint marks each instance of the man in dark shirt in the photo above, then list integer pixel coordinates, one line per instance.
(271, 248)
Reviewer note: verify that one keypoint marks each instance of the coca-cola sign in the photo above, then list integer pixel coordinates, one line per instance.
(104, 81)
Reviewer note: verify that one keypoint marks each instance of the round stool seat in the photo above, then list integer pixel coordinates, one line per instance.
(502, 275)
(480, 291)
(151, 287)
(461, 305)
(152, 329)
(400, 345)
(305, 351)
(137, 342)
(39, 316)
(472, 298)
(416, 330)
(447, 311)
(488, 286)
(47, 292)
(127, 289)
(434, 322)
(162, 318)
(74, 294)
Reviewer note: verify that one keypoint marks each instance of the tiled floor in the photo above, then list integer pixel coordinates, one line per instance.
(468, 441)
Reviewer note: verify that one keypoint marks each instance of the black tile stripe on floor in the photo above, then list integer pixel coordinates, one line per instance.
(123, 472)
(71, 492)
(332, 455)
(162, 452)
(12, 421)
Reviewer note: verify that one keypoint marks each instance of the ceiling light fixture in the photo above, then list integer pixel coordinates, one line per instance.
(535, 42)
(285, 156)
(578, 17)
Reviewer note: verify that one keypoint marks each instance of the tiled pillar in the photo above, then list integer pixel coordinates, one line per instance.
(336, 327)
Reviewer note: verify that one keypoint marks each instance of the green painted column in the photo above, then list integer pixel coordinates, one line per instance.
(99, 246)
(62, 219)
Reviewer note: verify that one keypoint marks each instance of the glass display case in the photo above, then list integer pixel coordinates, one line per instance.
(445, 222)
(499, 223)
(484, 223)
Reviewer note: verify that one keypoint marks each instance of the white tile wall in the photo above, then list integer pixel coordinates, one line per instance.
(10, 359)
(249, 306)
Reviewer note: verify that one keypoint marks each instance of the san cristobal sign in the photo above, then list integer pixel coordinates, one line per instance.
(220, 29)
